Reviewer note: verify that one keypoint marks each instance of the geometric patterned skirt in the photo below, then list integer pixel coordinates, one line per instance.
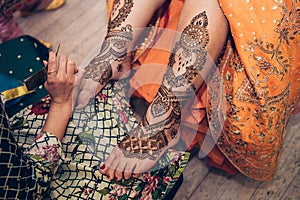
(90, 136)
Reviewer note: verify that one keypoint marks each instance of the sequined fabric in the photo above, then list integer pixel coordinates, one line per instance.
(259, 84)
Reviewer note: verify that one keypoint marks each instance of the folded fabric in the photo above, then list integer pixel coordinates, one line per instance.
(20, 58)
(12, 90)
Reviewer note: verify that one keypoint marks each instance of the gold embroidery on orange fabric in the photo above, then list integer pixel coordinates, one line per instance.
(237, 64)
(249, 119)
(288, 27)
(265, 65)
(246, 93)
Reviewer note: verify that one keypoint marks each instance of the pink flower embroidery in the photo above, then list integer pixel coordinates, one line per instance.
(102, 97)
(167, 180)
(49, 153)
(151, 186)
(38, 136)
(87, 191)
(118, 191)
(123, 116)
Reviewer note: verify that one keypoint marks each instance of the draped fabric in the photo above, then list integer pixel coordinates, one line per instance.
(35, 165)
(260, 76)
(258, 84)
(26, 173)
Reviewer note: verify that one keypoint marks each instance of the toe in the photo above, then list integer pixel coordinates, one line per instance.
(110, 173)
(111, 164)
(107, 164)
(119, 172)
(103, 169)
(142, 166)
(128, 170)
(136, 175)
(138, 169)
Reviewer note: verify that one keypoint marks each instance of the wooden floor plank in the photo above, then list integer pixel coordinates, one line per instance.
(293, 191)
(240, 187)
(79, 26)
(286, 170)
(213, 186)
(194, 174)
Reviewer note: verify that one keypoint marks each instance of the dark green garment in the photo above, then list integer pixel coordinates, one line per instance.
(20, 58)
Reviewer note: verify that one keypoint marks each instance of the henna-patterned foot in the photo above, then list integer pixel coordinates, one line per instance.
(134, 156)
(112, 63)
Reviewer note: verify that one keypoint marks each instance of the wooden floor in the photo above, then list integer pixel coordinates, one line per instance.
(80, 26)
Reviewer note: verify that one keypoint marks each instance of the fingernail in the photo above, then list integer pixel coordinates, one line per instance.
(102, 167)
(107, 176)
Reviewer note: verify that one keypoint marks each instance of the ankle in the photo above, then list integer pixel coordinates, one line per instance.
(121, 70)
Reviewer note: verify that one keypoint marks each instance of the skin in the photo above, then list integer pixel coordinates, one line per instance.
(61, 85)
(145, 8)
(160, 125)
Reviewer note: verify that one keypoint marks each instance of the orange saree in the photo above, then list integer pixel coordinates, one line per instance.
(258, 85)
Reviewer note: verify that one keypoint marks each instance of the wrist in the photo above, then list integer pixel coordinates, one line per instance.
(58, 119)
(63, 108)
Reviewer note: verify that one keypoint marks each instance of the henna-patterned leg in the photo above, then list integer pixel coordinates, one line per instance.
(158, 130)
(114, 59)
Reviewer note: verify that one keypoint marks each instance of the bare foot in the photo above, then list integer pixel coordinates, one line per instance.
(134, 155)
(89, 87)
(112, 63)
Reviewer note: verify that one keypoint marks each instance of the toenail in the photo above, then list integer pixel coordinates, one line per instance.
(102, 167)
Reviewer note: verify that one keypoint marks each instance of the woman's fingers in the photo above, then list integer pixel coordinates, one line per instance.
(62, 65)
(70, 69)
(64, 78)
(52, 66)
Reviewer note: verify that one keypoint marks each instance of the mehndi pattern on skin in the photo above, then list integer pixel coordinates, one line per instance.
(161, 123)
(114, 49)
(122, 13)
(189, 53)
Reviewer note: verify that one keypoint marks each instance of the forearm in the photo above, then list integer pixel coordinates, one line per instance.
(57, 119)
